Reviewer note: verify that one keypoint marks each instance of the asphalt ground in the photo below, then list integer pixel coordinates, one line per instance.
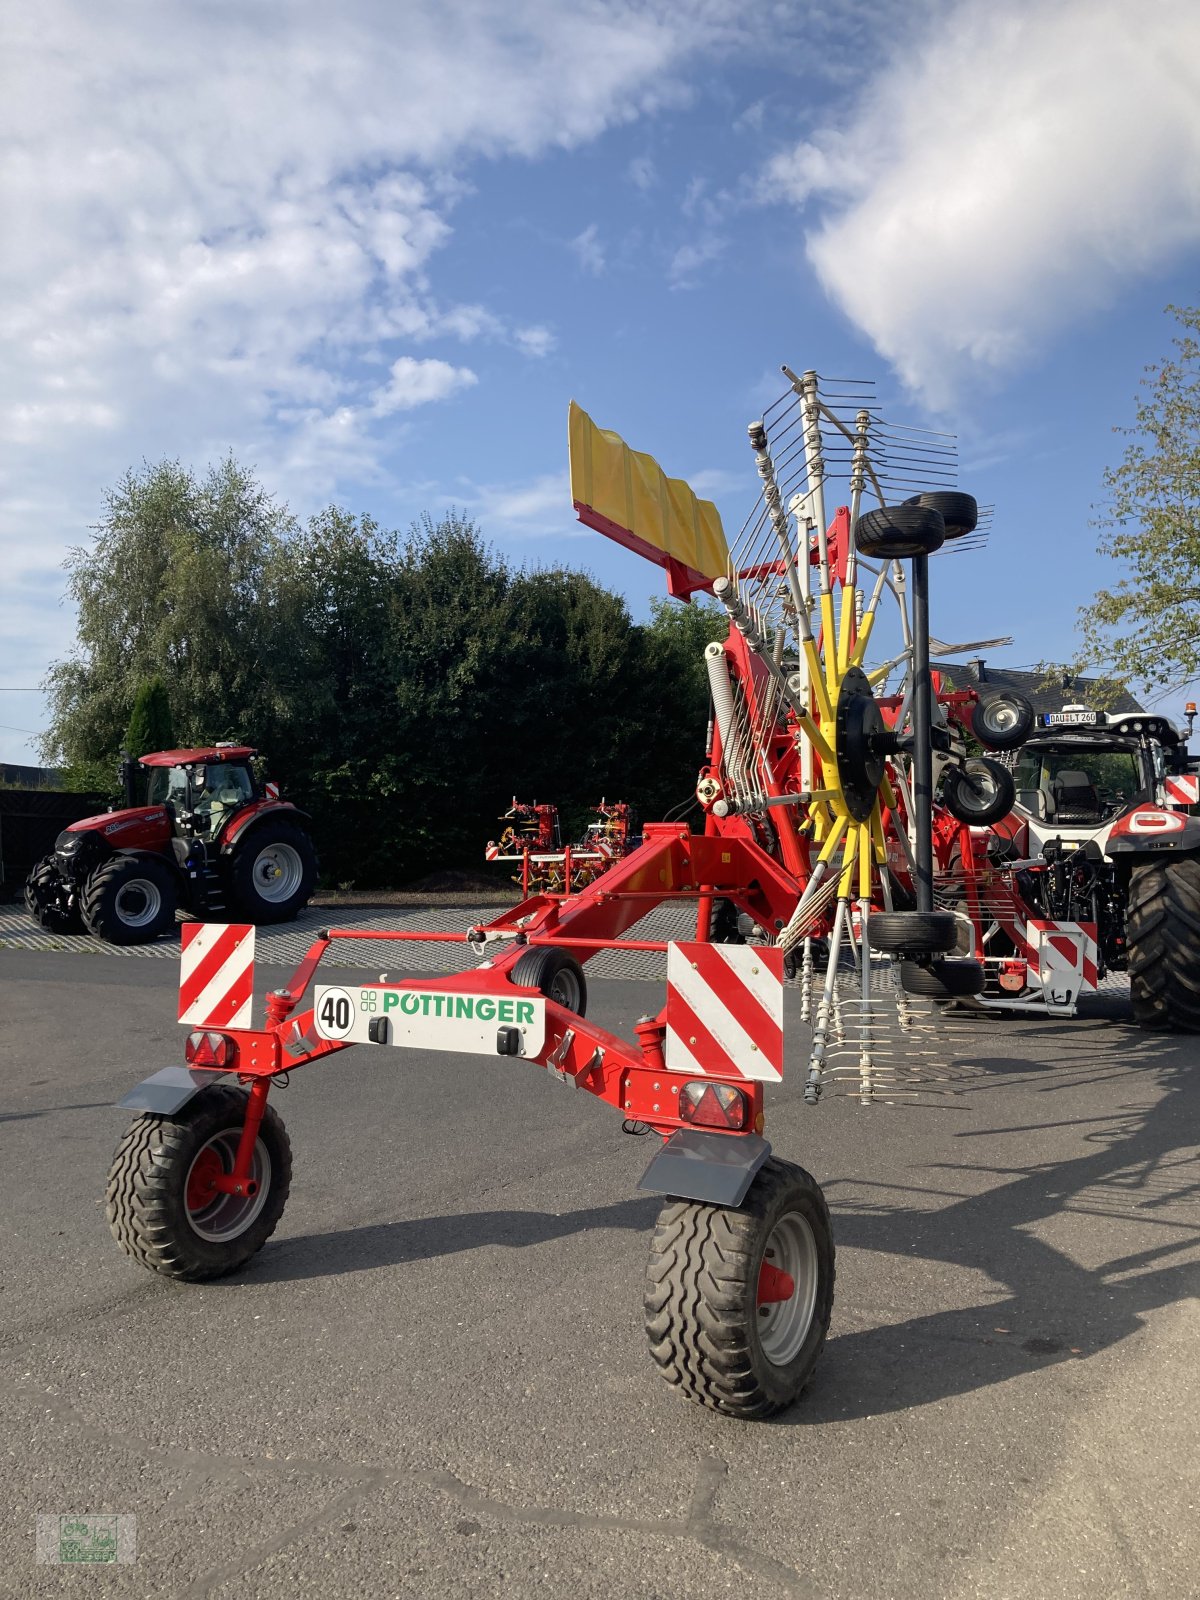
(434, 1379)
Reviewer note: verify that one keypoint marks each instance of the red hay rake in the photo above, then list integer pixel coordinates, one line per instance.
(815, 863)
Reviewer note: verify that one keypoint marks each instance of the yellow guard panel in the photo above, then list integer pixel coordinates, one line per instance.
(626, 495)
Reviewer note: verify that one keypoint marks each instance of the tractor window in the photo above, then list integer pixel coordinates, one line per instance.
(1079, 786)
(168, 783)
(223, 790)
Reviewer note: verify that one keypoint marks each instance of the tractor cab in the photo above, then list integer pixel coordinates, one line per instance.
(201, 789)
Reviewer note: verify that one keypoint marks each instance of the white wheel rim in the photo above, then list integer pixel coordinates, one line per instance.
(1001, 718)
(138, 902)
(228, 1216)
(783, 1324)
(277, 873)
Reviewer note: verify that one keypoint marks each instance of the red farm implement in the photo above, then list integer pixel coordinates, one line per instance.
(815, 863)
(533, 842)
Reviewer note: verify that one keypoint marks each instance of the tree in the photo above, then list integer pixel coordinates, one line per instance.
(190, 580)
(1148, 625)
(150, 725)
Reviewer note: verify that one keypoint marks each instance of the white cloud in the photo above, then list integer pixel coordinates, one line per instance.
(689, 259)
(588, 250)
(541, 506)
(535, 341)
(417, 383)
(1007, 174)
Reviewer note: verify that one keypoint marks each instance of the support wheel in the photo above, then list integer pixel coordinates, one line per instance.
(272, 872)
(979, 792)
(738, 1301)
(558, 975)
(895, 531)
(942, 980)
(47, 899)
(1163, 921)
(1002, 721)
(130, 900)
(929, 933)
(161, 1203)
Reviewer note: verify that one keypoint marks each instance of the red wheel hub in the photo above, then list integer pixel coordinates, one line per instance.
(202, 1180)
(774, 1285)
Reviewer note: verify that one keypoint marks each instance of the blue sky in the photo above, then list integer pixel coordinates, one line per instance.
(375, 249)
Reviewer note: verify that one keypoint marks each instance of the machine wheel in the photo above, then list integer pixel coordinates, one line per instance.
(160, 1203)
(892, 531)
(558, 975)
(979, 792)
(1163, 922)
(912, 932)
(723, 924)
(738, 1301)
(942, 980)
(958, 511)
(129, 899)
(272, 872)
(45, 893)
(1002, 721)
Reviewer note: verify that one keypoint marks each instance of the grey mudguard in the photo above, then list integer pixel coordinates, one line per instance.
(717, 1168)
(166, 1091)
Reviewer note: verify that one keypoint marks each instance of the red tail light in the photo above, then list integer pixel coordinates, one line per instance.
(210, 1050)
(713, 1105)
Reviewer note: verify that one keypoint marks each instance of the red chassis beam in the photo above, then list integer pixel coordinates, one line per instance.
(671, 864)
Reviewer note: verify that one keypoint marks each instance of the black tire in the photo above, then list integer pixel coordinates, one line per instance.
(942, 980)
(959, 512)
(1002, 721)
(272, 872)
(556, 974)
(979, 792)
(723, 924)
(921, 933)
(1163, 925)
(709, 1333)
(146, 1200)
(47, 899)
(897, 531)
(130, 899)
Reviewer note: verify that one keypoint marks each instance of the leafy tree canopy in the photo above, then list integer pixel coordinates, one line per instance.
(1147, 626)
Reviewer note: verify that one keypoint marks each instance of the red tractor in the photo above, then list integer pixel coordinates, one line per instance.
(210, 839)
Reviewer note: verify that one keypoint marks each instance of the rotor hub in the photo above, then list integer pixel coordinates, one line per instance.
(862, 743)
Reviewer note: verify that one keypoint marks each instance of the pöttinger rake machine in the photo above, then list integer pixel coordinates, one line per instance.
(814, 864)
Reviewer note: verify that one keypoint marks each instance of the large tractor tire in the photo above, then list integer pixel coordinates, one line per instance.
(130, 899)
(1163, 925)
(272, 872)
(160, 1201)
(46, 899)
(738, 1301)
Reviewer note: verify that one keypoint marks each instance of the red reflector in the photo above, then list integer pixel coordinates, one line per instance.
(713, 1105)
(209, 1050)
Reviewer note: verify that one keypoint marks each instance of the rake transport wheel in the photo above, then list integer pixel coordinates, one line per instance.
(942, 980)
(45, 894)
(1002, 721)
(738, 1301)
(1163, 924)
(913, 932)
(272, 872)
(129, 899)
(979, 792)
(161, 1202)
(556, 974)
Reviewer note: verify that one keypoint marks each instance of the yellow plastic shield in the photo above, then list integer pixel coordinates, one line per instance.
(626, 495)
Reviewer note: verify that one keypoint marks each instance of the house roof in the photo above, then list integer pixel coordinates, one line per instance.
(1073, 691)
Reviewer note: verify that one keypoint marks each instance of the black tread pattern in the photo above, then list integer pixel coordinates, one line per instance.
(701, 1295)
(43, 891)
(100, 917)
(1163, 923)
(144, 1198)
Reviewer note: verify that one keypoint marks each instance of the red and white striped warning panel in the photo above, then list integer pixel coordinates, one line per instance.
(271, 790)
(216, 974)
(725, 1011)
(1182, 790)
(1065, 950)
